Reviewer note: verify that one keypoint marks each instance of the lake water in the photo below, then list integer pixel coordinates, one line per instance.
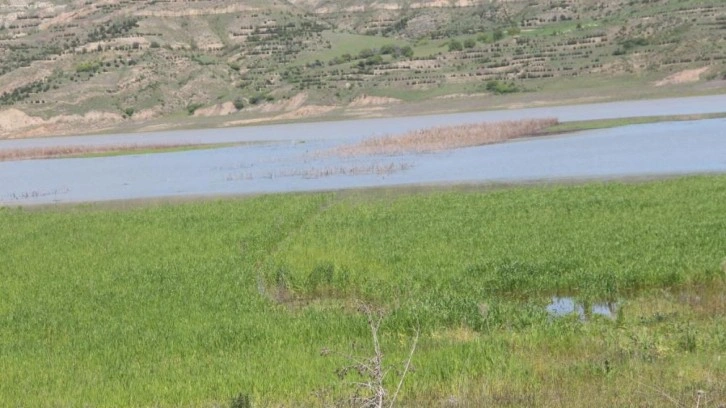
(290, 160)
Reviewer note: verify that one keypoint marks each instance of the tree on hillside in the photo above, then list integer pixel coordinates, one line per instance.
(455, 45)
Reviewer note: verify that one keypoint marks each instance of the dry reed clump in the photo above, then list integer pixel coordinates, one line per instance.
(67, 151)
(447, 137)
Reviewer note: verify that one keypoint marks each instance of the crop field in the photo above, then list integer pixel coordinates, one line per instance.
(255, 301)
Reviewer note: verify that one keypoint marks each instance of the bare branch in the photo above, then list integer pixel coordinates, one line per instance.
(405, 370)
(370, 389)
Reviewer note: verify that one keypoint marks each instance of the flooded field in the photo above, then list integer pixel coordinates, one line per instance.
(293, 157)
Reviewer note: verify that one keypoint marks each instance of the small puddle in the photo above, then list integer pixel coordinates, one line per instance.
(563, 306)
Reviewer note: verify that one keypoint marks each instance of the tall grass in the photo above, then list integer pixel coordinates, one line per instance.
(447, 137)
(198, 303)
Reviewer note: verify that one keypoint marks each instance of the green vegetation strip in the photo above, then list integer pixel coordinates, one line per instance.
(159, 149)
(103, 151)
(195, 304)
(565, 127)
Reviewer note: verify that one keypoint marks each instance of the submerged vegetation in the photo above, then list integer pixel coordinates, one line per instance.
(200, 304)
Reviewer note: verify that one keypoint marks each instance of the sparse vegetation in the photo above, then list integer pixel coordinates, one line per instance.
(162, 60)
(316, 172)
(257, 99)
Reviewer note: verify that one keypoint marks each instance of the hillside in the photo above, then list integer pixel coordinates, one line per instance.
(82, 66)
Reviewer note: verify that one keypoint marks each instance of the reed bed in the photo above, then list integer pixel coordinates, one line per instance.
(447, 137)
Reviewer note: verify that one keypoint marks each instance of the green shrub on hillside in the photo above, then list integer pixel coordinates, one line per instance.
(88, 66)
(192, 107)
(500, 87)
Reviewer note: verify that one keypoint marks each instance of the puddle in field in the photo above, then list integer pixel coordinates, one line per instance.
(563, 306)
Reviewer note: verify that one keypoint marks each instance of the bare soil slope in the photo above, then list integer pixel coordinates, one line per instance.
(77, 66)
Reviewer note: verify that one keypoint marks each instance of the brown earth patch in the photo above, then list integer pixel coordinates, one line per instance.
(683, 77)
(366, 100)
(307, 111)
(284, 105)
(15, 123)
(14, 119)
(220, 109)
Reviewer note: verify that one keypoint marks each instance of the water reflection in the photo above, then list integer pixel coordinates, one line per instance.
(563, 306)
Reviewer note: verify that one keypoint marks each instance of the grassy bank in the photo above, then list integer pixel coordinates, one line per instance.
(35, 153)
(577, 126)
(191, 304)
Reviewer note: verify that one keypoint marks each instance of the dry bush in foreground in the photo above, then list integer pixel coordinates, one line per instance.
(367, 374)
(447, 137)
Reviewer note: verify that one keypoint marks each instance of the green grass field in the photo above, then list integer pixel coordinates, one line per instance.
(192, 304)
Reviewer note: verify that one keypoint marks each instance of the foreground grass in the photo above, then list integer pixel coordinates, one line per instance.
(191, 304)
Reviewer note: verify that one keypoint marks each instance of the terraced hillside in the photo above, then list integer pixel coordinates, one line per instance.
(67, 66)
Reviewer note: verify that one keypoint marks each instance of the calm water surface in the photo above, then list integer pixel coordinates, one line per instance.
(290, 160)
